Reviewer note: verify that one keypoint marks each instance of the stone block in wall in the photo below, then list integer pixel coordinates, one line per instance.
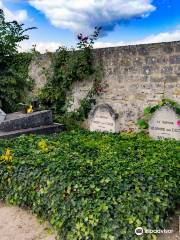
(151, 60)
(174, 59)
(176, 91)
(176, 69)
(171, 78)
(143, 50)
(168, 49)
(167, 69)
(177, 48)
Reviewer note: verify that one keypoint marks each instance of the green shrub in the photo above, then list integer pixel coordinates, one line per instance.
(92, 185)
(14, 80)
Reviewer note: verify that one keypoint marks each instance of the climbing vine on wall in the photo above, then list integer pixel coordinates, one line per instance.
(69, 66)
(143, 122)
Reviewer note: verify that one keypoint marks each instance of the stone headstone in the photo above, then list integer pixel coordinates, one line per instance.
(165, 123)
(103, 119)
(2, 116)
(18, 120)
(39, 122)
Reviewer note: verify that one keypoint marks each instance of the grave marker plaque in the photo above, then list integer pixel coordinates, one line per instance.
(103, 119)
(2, 116)
(165, 123)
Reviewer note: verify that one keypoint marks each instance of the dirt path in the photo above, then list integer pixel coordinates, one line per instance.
(175, 226)
(17, 224)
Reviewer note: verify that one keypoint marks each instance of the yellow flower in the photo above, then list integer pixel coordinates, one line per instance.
(30, 109)
(42, 145)
(7, 156)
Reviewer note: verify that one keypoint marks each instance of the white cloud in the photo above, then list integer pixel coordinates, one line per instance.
(53, 46)
(41, 47)
(84, 15)
(20, 15)
(161, 37)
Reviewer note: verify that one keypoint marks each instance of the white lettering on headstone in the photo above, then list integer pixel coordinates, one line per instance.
(2, 116)
(165, 123)
(103, 119)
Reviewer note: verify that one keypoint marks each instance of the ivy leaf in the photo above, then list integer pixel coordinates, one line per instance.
(142, 124)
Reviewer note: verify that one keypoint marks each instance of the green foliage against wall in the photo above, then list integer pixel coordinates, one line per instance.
(13, 66)
(90, 185)
(69, 66)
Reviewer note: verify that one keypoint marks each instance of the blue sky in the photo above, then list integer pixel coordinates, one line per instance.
(124, 21)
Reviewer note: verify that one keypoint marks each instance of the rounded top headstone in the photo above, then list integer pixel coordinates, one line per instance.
(165, 124)
(104, 108)
(103, 119)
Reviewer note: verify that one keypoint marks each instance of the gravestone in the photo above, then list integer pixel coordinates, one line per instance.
(17, 123)
(165, 123)
(18, 120)
(2, 116)
(103, 119)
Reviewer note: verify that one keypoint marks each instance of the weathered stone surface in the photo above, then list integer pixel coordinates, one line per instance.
(53, 128)
(2, 115)
(39, 69)
(168, 49)
(103, 119)
(175, 59)
(18, 120)
(33, 123)
(165, 123)
(167, 70)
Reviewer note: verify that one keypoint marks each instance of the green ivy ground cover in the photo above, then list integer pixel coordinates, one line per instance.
(92, 185)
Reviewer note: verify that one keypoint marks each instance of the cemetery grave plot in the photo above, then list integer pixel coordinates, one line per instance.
(18, 123)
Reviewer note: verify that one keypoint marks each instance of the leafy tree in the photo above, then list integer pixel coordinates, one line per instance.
(13, 65)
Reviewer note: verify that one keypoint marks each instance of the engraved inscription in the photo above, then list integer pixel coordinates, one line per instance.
(164, 124)
(103, 119)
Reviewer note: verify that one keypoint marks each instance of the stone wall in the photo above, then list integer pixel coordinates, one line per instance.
(38, 70)
(133, 78)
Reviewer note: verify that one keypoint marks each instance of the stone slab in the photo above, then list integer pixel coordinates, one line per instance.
(103, 119)
(18, 120)
(165, 124)
(53, 128)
